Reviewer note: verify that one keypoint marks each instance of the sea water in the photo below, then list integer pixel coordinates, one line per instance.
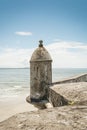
(16, 82)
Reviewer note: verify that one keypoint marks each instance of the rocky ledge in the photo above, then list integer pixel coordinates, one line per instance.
(68, 94)
(58, 118)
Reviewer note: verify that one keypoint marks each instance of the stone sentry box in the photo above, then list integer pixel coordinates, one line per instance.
(40, 73)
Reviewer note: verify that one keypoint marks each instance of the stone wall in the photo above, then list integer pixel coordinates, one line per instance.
(62, 118)
(40, 77)
(56, 99)
(80, 78)
(61, 96)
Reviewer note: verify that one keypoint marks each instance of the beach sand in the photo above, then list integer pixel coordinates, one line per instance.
(13, 105)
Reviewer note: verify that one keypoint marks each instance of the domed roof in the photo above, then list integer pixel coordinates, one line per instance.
(40, 54)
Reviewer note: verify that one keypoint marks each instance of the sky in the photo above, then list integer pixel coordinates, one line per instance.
(61, 24)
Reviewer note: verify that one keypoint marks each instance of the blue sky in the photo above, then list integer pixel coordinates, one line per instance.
(24, 22)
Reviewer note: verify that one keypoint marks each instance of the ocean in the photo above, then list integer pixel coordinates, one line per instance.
(15, 82)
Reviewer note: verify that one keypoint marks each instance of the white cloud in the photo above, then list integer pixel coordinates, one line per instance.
(23, 33)
(68, 54)
(64, 54)
(15, 58)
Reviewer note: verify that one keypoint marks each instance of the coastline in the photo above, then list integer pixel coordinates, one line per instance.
(14, 105)
(68, 117)
(17, 104)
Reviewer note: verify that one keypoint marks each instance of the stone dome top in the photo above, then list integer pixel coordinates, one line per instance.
(40, 54)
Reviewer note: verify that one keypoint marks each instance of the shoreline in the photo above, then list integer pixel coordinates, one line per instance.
(14, 105)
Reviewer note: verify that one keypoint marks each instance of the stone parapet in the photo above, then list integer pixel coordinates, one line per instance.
(79, 78)
(68, 94)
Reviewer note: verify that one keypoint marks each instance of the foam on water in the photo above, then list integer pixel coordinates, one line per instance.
(17, 87)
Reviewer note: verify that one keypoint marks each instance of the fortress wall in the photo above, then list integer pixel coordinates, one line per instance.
(56, 98)
(80, 78)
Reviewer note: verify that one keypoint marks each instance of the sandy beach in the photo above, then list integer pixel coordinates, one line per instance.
(14, 105)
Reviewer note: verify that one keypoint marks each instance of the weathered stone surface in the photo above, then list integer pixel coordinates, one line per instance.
(40, 54)
(61, 118)
(56, 99)
(40, 104)
(75, 93)
(78, 78)
(40, 73)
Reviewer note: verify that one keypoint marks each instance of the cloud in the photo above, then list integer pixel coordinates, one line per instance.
(15, 58)
(64, 54)
(23, 33)
(68, 54)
